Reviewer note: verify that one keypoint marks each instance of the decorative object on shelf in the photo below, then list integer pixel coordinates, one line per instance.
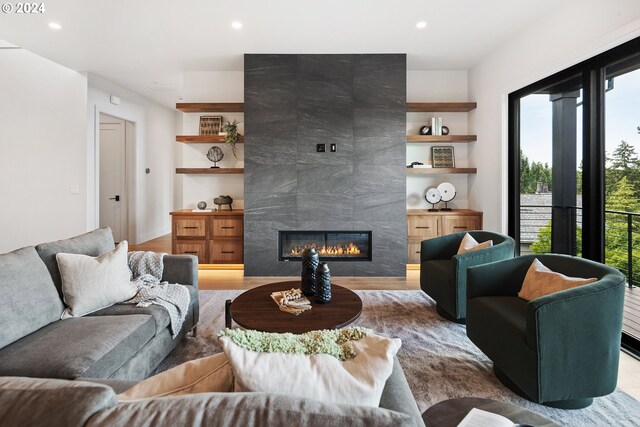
(323, 283)
(231, 135)
(443, 157)
(445, 130)
(215, 154)
(202, 205)
(425, 130)
(415, 164)
(433, 196)
(223, 200)
(436, 126)
(310, 261)
(448, 193)
(210, 125)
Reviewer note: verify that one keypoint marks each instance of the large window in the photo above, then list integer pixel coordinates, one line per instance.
(574, 168)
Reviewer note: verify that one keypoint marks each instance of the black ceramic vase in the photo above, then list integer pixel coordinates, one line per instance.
(323, 284)
(310, 261)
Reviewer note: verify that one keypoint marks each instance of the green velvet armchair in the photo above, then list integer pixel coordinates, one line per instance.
(443, 273)
(560, 350)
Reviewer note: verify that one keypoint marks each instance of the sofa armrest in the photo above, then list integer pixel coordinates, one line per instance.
(397, 395)
(577, 335)
(182, 269)
(443, 247)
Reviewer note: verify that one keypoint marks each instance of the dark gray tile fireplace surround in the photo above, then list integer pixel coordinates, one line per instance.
(292, 103)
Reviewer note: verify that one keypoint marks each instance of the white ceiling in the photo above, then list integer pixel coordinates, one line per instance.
(137, 42)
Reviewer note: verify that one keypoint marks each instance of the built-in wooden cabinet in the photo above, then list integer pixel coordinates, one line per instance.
(423, 225)
(214, 237)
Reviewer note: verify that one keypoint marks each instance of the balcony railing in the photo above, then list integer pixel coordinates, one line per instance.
(622, 233)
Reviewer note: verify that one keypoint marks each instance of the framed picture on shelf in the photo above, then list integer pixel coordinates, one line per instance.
(443, 157)
(210, 125)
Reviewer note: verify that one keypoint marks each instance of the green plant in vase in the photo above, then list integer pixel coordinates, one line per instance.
(231, 137)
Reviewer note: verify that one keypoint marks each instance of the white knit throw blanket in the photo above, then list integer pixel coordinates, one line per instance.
(146, 272)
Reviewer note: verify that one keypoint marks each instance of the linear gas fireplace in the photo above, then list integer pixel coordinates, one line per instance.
(331, 245)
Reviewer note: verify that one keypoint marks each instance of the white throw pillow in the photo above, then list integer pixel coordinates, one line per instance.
(469, 244)
(356, 381)
(91, 283)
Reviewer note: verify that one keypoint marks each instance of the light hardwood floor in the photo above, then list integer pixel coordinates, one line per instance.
(629, 372)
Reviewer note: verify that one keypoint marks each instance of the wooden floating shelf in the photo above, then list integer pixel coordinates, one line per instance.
(204, 139)
(429, 171)
(441, 138)
(210, 107)
(441, 107)
(210, 171)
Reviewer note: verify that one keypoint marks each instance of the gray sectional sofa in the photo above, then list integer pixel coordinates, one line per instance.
(67, 372)
(121, 341)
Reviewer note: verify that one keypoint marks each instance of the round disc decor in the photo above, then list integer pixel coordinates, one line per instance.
(215, 154)
(433, 196)
(447, 191)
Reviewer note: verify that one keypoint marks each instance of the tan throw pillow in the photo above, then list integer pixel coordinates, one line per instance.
(92, 283)
(541, 281)
(356, 381)
(209, 374)
(469, 244)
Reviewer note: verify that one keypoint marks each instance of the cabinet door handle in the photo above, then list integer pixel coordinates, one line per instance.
(227, 227)
(464, 228)
(423, 227)
(417, 252)
(191, 253)
(190, 227)
(228, 252)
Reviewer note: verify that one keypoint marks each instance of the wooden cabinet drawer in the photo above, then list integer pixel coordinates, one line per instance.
(192, 247)
(423, 226)
(413, 255)
(227, 251)
(230, 227)
(457, 224)
(190, 227)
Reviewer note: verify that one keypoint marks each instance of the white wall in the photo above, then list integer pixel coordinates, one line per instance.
(42, 150)
(210, 86)
(575, 31)
(436, 86)
(153, 198)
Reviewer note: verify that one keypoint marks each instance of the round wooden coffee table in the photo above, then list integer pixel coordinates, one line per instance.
(255, 309)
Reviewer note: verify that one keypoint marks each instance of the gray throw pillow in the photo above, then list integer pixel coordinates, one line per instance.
(93, 243)
(29, 299)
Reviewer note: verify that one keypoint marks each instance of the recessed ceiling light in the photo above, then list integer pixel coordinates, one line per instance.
(236, 25)
(54, 26)
(421, 24)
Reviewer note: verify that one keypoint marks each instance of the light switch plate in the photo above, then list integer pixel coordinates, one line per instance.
(321, 148)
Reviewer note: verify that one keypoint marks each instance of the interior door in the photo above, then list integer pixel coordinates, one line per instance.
(113, 197)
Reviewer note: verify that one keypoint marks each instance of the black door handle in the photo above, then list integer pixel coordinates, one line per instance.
(117, 198)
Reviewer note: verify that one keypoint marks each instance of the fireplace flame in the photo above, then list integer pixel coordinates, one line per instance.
(336, 250)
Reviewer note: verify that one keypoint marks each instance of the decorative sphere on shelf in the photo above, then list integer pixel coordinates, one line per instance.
(202, 205)
(445, 130)
(425, 130)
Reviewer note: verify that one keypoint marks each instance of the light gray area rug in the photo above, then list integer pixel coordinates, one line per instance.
(440, 362)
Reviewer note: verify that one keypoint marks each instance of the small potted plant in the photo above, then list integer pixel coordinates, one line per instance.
(231, 135)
